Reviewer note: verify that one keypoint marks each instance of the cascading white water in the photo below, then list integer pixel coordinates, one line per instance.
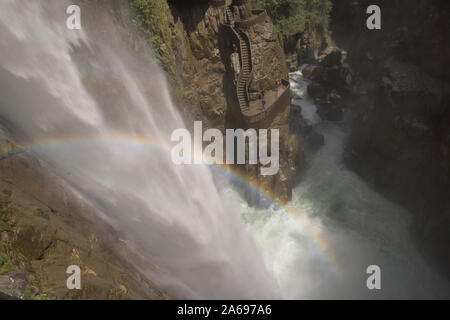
(102, 122)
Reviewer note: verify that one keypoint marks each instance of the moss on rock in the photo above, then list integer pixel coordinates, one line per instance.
(153, 19)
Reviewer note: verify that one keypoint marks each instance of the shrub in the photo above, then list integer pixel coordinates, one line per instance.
(152, 18)
(294, 16)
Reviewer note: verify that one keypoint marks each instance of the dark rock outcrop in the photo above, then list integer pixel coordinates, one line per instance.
(400, 136)
(208, 67)
(330, 84)
(45, 228)
(316, 91)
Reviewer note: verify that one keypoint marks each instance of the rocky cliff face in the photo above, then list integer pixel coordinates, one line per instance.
(44, 229)
(44, 225)
(400, 137)
(205, 78)
(200, 69)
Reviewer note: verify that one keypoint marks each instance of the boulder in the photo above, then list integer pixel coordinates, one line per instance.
(335, 77)
(314, 73)
(14, 284)
(335, 98)
(292, 63)
(316, 91)
(329, 111)
(331, 59)
(306, 55)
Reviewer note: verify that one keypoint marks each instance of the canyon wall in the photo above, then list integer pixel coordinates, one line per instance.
(204, 79)
(44, 228)
(400, 140)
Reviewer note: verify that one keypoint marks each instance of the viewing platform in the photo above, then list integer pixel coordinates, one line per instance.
(253, 109)
(275, 100)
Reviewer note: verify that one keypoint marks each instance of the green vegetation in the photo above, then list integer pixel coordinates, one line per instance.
(5, 202)
(5, 225)
(152, 18)
(34, 291)
(10, 257)
(295, 16)
(6, 264)
(113, 294)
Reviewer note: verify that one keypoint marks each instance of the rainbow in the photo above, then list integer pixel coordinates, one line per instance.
(140, 141)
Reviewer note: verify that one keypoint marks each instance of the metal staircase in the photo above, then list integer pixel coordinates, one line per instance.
(245, 73)
(244, 77)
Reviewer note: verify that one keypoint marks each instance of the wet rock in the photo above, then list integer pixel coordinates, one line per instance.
(334, 97)
(316, 91)
(292, 63)
(4, 296)
(306, 55)
(315, 140)
(335, 77)
(14, 284)
(331, 59)
(314, 73)
(329, 111)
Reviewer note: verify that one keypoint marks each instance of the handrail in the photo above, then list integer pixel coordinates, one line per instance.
(250, 66)
(242, 36)
(282, 100)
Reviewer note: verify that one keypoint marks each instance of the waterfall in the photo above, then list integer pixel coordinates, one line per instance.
(100, 116)
(320, 245)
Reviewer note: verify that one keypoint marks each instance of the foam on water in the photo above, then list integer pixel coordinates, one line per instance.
(360, 226)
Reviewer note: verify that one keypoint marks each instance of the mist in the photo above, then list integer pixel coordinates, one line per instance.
(100, 116)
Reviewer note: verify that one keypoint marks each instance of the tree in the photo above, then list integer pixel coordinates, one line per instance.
(294, 16)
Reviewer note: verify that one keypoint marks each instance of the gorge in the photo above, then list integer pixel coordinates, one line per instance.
(86, 175)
